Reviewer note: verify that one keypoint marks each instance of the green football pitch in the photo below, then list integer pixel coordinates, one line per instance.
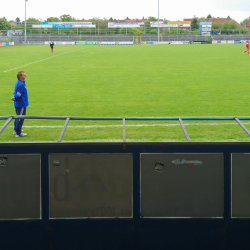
(128, 81)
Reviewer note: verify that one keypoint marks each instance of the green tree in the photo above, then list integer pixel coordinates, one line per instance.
(53, 19)
(102, 26)
(18, 21)
(217, 25)
(226, 25)
(194, 24)
(33, 20)
(4, 25)
(202, 19)
(67, 18)
(229, 17)
(233, 26)
(152, 19)
(148, 29)
(209, 16)
(153, 31)
(244, 21)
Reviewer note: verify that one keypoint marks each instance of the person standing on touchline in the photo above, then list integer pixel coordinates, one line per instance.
(51, 46)
(20, 98)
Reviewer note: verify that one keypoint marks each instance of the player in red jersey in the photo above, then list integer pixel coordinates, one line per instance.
(247, 47)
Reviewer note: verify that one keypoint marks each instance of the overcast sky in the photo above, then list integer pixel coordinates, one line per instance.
(171, 10)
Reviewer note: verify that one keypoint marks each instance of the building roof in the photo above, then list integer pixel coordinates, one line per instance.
(248, 23)
(135, 20)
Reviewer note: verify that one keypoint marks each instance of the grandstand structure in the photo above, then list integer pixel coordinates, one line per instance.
(141, 195)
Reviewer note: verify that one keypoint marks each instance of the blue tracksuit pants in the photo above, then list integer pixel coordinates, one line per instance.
(19, 122)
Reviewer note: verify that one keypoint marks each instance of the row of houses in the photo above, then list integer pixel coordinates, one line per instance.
(218, 19)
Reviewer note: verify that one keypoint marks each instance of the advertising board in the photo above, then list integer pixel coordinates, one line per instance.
(20, 188)
(125, 24)
(85, 42)
(182, 185)
(176, 42)
(107, 43)
(91, 185)
(151, 43)
(65, 25)
(124, 43)
(240, 185)
(61, 43)
(62, 26)
(42, 26)
(3, 44)
(171, 24)
(166, 42)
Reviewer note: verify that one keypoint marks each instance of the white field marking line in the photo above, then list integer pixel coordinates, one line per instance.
(135, 125)
(42, 60)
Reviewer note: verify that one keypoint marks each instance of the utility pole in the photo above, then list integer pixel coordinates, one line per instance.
(158, 22)
(25, 20)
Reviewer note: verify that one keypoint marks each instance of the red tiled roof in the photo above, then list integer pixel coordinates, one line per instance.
(135, 20)
(248, 23)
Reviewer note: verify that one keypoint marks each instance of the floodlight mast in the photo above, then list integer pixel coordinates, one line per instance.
(25, 19)
(158, 23)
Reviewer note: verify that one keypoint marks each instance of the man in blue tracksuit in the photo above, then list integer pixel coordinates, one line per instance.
(20, 98)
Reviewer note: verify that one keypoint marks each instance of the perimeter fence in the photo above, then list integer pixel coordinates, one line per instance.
(40, 39)
(124, 119)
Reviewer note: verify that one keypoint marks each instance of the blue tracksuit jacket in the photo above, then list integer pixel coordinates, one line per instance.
(20, 94)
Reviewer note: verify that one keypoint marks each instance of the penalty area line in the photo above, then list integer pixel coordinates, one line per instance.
(43, 60)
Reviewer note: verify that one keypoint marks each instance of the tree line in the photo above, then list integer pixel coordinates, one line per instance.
(225, 27)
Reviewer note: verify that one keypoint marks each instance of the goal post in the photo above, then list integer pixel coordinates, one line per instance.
(136, 40)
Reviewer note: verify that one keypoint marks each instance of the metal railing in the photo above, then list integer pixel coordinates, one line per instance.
(126, 38)
(40, 39)
(124, 119)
